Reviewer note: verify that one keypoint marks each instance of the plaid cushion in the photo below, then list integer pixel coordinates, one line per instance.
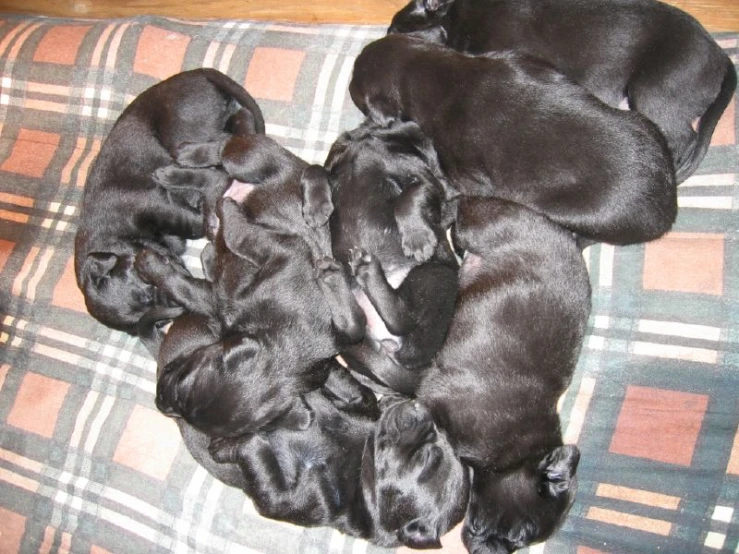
(87, 464)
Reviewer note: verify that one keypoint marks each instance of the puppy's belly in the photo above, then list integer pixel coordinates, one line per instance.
(471, 266)
(376, 330)
(238, 191)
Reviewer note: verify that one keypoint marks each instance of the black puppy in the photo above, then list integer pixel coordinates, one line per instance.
(654, 56)
(393, 481)
(510, 127)
(124, 207)
(389, 194)
(172, 335)
(277, 303)
(512, 346)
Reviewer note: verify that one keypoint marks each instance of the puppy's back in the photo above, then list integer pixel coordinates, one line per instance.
(508, 126)
(516, 334)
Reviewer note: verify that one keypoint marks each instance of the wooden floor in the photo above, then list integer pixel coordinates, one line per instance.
(715, 15)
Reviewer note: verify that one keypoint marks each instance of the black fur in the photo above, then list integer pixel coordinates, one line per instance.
(389, 197)
(510, 127)
(125, 209)
(512, 346)
(278, 303)
(393, 481)
(655, 56)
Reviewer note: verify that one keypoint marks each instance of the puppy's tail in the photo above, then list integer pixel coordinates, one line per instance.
(230, 87)
(151, 327)
(707, 124)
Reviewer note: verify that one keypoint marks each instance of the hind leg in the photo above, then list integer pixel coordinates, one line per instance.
(674, 124)
(673, 89)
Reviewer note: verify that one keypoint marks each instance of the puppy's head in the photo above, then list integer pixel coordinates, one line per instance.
(385, 159)
(415, 487)
(228, 388)
(422, 18)
(513, 509)
(114, 293)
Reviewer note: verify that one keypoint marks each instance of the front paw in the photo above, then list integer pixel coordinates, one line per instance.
(419, 243)
(328, 270)
(364, 266)
(358, 258)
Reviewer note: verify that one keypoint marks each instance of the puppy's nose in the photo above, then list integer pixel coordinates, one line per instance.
(165, 407)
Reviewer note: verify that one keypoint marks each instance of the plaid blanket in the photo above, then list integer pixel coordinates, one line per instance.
(87, 464)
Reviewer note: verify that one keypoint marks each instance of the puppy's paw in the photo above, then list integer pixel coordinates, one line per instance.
(327, 269)
(365, 268)
(168, 176)
(316, 214)
(358, 258)
(419, 243)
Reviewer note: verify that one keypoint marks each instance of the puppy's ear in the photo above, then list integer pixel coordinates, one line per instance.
(233, 225)
(558, 470)
(317, 205)
(417, 534)
(238, 349)
(98, 265)
(299, 417)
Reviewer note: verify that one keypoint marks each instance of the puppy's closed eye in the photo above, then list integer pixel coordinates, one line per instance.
(393, 185)
(433, 456)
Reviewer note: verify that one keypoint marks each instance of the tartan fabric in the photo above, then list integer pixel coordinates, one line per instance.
(87, 464)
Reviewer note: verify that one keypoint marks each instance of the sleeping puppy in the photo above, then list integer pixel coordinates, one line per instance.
(512, 346)
(393, 481)
(510, 127)
(198, 105)
(278, 305)
(657, 58)
(173, 335)
(388, 195)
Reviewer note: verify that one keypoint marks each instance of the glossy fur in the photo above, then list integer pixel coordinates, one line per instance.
(512, 346)
(125, 209)
(508, 126)
(655, 56)
(393, 480)
(279, 305)
(389, 197)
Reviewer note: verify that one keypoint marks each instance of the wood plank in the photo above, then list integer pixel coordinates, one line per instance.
(715, 15)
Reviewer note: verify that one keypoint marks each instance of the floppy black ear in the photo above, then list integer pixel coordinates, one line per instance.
(317, 205)
(98, 265)
(416, 534)
(299, 417)
(233, 227)
(558, 469)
